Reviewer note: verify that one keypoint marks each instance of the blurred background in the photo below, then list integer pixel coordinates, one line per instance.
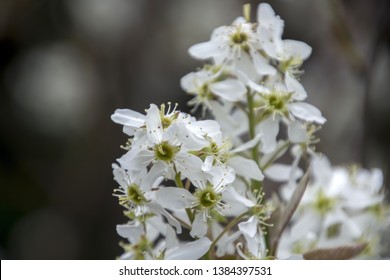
(66, 65)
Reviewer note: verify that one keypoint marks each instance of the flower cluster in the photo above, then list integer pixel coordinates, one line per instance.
(341, 206)
(204, 179)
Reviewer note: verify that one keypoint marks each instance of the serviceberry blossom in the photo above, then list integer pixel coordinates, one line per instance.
(250, 183)
(212, 83)
(340, 206)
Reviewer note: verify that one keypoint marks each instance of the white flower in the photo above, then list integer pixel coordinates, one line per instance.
(227, 42)
(340, 207)
(136, 195)
(283, 100)
(289, 53)
(254, 236)
(235, 45)
(161, 147)
(131, 120)
(141, 236)
(133, 191)
(280, 104)
(208, 84)
(209, 184)
(141, 242)
(251, 87)
(193, 250)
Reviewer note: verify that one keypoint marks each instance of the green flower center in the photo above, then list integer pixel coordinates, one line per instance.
(207, 198)
(165, 151)
(219, 152)
(240, 39)
(277, 102)
(214, 148)
(205, 93)
(135, 195)
(168, 115)
(323, 204)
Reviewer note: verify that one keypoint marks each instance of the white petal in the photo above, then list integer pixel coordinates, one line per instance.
(153, 124)
(350, 228)
(199, 226)
(268, 130)
(335, 216)
(205, 50)
(171, 220)
(190, 251)
(270, 29)
(149, 181)
(359, 199)
(322, 169)
(297, 132)
(279, 172)
(204, 128)
(308, 221)
(262, 65)
(239, 21)
(306, 112)
(248, 82)
(265, 15)
(119, 174)
(221, 175)
(245, 64)
(231, 194)
(231, 125)
(155, 226)
(190, 140)
(128, 117)
(267, 42)
(292, 85)
(187, 164)
(170, 238)
(199, 180)
(174, 198)
(231, 90)
(297, 49)
(207, 164)
(248, 145)
(135, 159)
(129, 130)
(246, 168)
(249, 227)
(130, 231)
(187, 82)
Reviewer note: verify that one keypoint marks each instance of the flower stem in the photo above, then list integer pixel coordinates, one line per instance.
(252, 125)
(255, 185)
